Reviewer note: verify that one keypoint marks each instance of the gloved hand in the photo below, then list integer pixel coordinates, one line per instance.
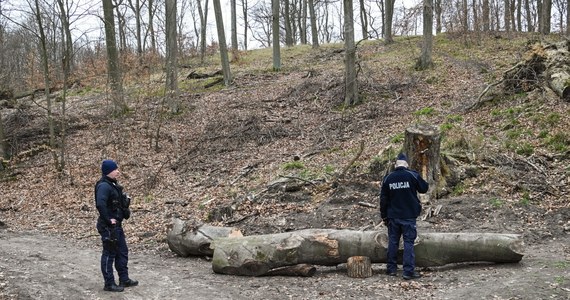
(386, 221)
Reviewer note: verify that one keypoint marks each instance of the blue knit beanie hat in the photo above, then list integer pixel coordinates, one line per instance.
(108, 166)
(403, 157)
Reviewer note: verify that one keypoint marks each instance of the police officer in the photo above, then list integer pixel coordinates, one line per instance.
(399, 208)
(113, 206)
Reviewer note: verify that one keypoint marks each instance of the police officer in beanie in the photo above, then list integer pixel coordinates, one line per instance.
(113, 206)
(399, 208)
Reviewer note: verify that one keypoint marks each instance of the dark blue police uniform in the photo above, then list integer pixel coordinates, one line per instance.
(399, 208)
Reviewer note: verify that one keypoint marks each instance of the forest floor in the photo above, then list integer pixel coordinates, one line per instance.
(279, 152)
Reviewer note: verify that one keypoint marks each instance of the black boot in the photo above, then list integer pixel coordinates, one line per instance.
(128, 283)
(113, 288)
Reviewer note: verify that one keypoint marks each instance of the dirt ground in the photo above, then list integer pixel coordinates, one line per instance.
(218, 161)
(36, 265)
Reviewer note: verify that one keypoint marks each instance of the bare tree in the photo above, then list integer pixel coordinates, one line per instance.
(222, 41)
(203, 24)
(287, 21)
(388, 22)
(363, 20)
(234, 26)
(245, 8)
(437, 10)
(136, 8)
(529, 18)
(313, 17)
(303, 22)
(351, 84)
(113, 65)
(151, 32)
(275, 32)
(485, 15)
(546, 16)
(47, 83)
(425, 60)
(171, 57)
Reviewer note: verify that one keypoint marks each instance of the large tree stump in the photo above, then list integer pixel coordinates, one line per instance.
(186, 238)
(421, 145)
(259, 254)
(359, 267)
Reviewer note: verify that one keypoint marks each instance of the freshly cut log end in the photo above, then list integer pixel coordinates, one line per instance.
(359, 267)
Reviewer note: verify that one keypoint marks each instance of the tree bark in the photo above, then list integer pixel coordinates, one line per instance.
(259, 254)
(388, 22)
(275, 33)
(113, 65)
(421, 145)
(351, 96)
(425, 60)
(171, 57)
(313, 17)
(222, 43)
(186, 239)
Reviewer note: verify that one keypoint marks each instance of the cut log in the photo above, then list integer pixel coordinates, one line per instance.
(259, 254)
(421, 145)
(304, 270)
(359, 267)
(186, 239)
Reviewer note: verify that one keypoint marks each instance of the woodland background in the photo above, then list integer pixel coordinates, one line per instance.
(266, 140)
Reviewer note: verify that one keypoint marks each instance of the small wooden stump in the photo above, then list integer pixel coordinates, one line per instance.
(359, 267)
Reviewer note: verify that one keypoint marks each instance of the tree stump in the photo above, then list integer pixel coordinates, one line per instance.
(421, 145)
(359, 267)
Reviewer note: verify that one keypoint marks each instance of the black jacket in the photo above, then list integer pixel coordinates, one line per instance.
(109, 201)
(398, 194)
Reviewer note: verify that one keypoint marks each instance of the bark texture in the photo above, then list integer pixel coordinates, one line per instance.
(259, 254)
(186, 239)
(421, 145)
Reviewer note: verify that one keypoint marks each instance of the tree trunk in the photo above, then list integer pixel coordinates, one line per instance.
(113, 66)
(171, 58)
(259, 254)
(3, 144)
(363, 20)
(359, 267)
(287, 21)
(234, 26)
(425, 61)
(203, 25)
(437, 9)
(186, 239)
(222, 43)
(421, 145)
(275, 33)
(388, 22)
(546, 16)
(351, 96)
(313, 17)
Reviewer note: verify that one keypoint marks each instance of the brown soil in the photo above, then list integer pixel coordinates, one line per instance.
(268, 155)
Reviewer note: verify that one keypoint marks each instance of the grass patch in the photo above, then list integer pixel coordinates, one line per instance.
(496, 202)
(293, 165)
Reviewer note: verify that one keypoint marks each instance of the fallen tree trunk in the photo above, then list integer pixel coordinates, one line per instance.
(186, 239)
(259, 254)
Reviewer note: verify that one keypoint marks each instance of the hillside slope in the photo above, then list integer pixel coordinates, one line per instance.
(265, 154)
